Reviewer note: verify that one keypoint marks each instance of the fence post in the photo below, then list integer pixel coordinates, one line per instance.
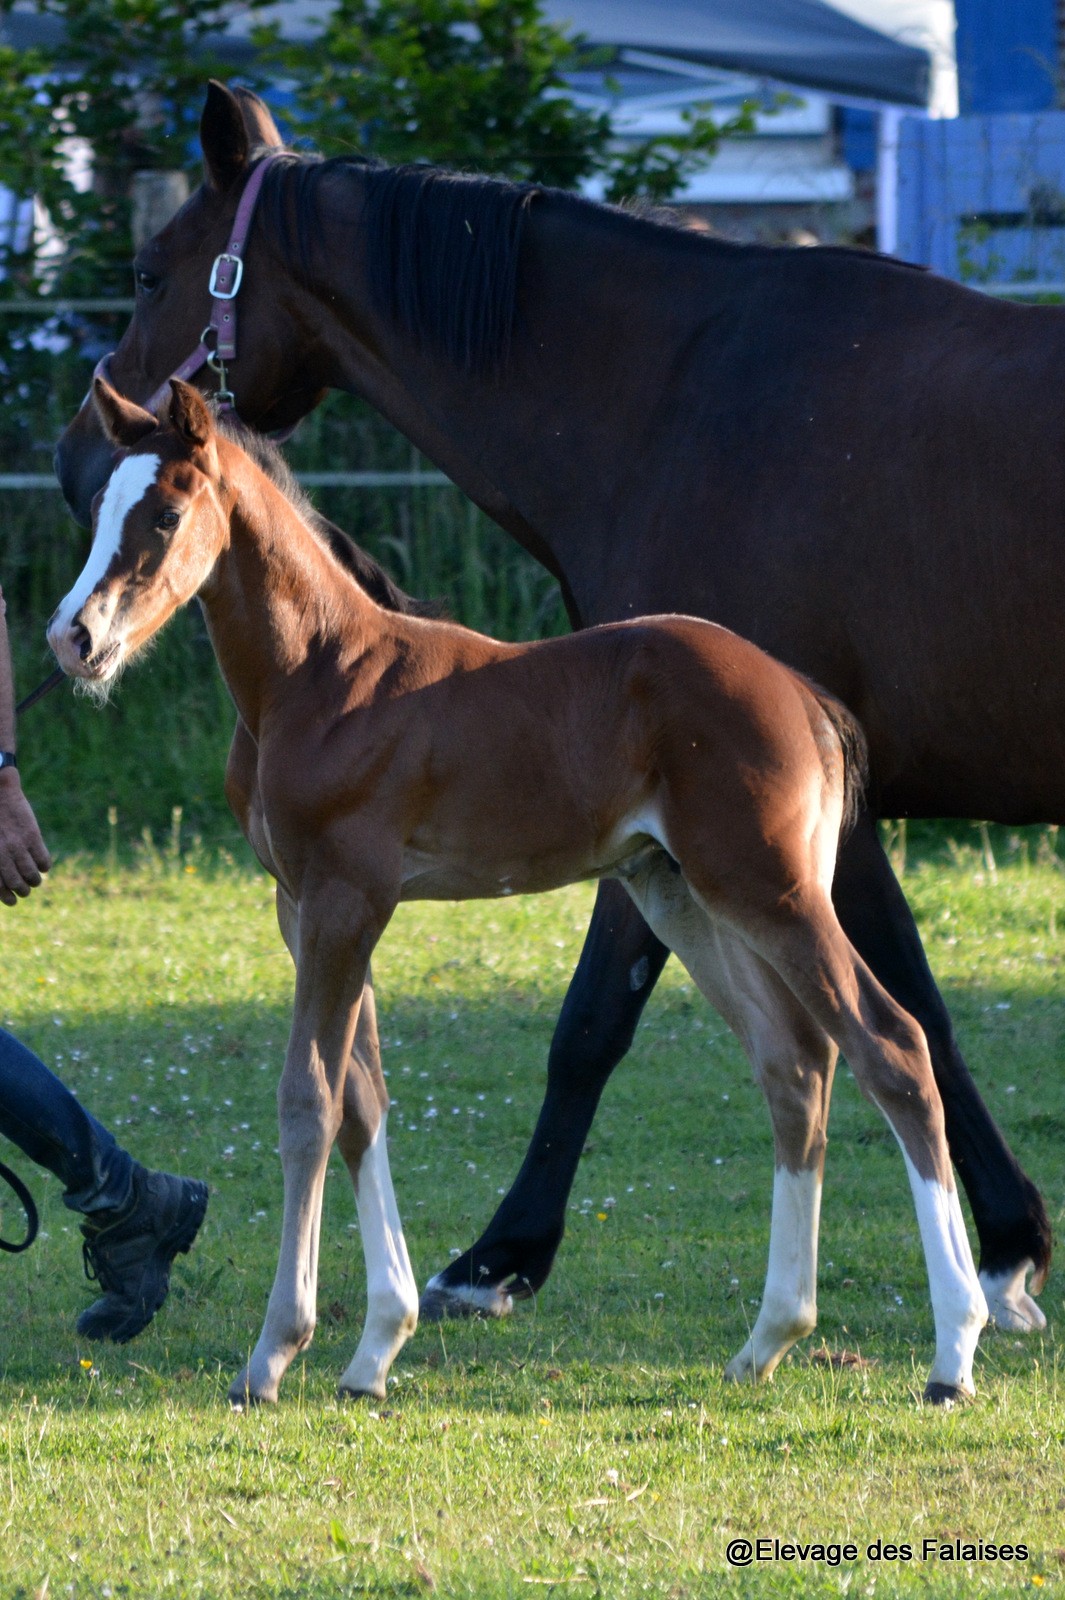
(155, 197)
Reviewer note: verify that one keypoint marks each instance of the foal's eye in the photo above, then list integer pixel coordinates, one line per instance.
(146, 281)
(168, 519)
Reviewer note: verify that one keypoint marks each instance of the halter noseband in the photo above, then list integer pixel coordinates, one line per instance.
(218, 341)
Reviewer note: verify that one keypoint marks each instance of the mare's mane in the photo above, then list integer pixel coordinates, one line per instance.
(443, 248)
(368, 574)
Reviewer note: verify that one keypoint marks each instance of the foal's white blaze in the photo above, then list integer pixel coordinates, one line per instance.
(391, 1293)
(126, 487)
(789, 1304)
(1010, 1305)
(958, 1303)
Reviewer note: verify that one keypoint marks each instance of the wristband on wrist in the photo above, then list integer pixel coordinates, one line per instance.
(7, 759)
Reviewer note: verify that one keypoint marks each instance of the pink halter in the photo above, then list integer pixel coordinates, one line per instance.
(218, 341)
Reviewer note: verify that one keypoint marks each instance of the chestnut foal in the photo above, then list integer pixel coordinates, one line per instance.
(381, 757)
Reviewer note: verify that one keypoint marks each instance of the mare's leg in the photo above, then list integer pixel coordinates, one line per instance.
(793, 1060)
(619, 966)
(391, 1292)
(1008, 1212)
(337, 927)
(797, 932)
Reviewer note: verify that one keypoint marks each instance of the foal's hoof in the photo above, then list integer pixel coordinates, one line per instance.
(441, 1301)
(244, 1400)
(359, 1396)
(242, 1397)
(947, 1395)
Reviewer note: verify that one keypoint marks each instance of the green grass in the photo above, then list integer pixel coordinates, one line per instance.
(588, 1445)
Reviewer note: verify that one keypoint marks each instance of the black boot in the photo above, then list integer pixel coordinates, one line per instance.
(128, 1252)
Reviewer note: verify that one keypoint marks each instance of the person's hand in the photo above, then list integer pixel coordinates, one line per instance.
(23, 855)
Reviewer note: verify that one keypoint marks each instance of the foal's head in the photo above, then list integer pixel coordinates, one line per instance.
(159, 524)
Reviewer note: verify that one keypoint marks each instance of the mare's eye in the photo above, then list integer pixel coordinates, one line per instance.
(168, 519)
(147, 282)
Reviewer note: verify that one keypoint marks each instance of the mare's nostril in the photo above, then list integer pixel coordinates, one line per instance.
(82, 641)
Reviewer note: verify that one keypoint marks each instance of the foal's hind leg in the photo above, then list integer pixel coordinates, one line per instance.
(1008, 1212)
(793, 1060)
(797, 932)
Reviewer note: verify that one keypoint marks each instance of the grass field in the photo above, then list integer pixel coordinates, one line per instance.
(588, 1445)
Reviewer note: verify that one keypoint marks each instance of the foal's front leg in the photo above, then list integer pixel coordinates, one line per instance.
(391, 1292)
(336, 930)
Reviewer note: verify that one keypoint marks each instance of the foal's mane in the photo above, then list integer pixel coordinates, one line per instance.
(368, 573)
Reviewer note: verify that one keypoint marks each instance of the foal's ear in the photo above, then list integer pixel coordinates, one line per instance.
(224, 137)
(190, 414)
(124, 422)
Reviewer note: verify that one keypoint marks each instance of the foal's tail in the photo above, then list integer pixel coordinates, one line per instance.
(851, 742)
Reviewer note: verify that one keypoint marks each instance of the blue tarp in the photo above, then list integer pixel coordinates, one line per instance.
(803, 42)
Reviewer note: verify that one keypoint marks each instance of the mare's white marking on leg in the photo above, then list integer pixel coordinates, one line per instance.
(465, 1299)
(126, 486)
(789, 1304)
(958, 1303)
(391, 1293)
(1010, 1305)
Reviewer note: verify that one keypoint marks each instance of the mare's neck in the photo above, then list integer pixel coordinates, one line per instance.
(277, 602)
(549, 445)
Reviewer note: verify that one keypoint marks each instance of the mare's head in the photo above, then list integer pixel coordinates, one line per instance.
(159, 524)
(271, 376)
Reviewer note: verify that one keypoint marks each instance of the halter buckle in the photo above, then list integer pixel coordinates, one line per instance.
(220, 262)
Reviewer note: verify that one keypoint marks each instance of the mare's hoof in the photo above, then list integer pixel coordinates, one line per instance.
(359, 1396)
(946, 1395)
(1010, 1307)
(440, 1301)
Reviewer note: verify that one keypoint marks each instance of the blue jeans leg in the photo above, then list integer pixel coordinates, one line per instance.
(40, 1115)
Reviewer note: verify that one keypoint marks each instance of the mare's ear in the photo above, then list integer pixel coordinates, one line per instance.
(190, 414)
(224, 137)
(124, 422)
(258, 119)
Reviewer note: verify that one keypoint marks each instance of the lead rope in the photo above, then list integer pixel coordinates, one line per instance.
(25, 1200)
(53, 680)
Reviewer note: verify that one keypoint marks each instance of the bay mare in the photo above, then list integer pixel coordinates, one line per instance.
(381, 757)
(849, 461)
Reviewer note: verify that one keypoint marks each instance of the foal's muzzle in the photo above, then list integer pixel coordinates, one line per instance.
(76, 650)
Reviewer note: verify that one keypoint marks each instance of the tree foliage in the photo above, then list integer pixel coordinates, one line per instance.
(477, 84)
(121, 93)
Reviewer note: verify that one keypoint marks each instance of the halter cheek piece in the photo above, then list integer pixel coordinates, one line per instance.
(218, 341)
